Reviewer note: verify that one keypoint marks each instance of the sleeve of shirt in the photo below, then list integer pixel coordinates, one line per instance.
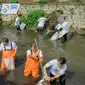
(63, 70)
(28, 52)
(49, 64)
(14, 45)
(40, 55)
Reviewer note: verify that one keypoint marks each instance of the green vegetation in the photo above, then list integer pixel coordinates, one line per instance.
(14, 1)
(41, 1)
(31, 18)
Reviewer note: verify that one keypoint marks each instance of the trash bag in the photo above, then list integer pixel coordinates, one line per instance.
(9, 63)
(43, 82)
(22, 26)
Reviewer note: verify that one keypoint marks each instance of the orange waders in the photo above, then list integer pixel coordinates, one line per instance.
(6, 54)
(32, 65)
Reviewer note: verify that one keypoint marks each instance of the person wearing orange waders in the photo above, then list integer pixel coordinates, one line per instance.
(34, 57)
(8, 49)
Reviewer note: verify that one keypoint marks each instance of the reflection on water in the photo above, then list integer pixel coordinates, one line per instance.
(73, 51)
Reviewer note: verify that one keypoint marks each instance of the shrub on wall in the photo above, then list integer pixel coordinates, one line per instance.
(14, 1)
(32, 17)
(41, 1)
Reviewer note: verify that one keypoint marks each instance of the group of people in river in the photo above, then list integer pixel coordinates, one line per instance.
(34, 56)
(33, 59)
(60, 29)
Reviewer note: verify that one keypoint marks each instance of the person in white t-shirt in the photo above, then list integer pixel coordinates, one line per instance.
(57, 70)
(64, 31)
(41, 23)
(17, 22)
(61, 31)
(8, 49)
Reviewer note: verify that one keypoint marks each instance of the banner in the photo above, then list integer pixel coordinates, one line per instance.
(10, 8)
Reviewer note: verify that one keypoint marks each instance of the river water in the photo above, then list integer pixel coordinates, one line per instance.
(73, 50)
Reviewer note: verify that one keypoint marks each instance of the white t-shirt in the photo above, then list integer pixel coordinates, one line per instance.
(54, 69)
(17, 21)
(41, 21)
(65, 26)
(8, 47)
(29, 53)
(65, 29)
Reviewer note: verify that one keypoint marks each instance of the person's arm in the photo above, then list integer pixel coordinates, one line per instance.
(44, 69)
(33, 56)
(14, 53)
(55, 77)
(41, 59)
(48, 65)
(15, 49)
(38, 19)
(45, 73)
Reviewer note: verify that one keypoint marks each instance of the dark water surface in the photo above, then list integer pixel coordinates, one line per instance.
(73, 51)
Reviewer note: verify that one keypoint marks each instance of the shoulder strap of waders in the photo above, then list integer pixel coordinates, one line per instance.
(32, 53)
(4, 47)
(11, 45)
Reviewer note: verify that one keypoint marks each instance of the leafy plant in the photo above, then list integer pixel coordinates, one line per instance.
(32, 17)
(41, 1)
(14, 1)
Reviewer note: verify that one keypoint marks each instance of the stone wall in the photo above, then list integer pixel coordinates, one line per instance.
(75, 13)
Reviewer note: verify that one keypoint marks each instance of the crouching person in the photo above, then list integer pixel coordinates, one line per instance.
(42, 21)
(57, 70)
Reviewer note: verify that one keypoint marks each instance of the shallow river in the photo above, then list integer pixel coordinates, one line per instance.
(73, 50)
